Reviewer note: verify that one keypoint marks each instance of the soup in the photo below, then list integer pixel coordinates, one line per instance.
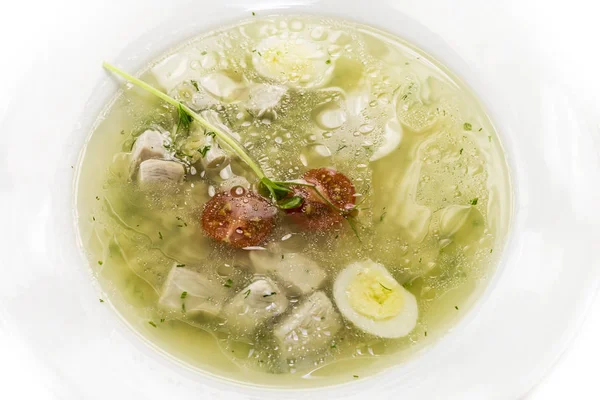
(293, 201)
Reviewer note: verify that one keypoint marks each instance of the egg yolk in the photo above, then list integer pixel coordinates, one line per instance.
(375, 295)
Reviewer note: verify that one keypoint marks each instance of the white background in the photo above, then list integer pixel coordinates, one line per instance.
(27, 27)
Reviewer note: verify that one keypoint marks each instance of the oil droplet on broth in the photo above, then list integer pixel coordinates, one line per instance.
(315, 156)
(329, 116)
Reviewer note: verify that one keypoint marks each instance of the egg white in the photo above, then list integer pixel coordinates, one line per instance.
(394, 327)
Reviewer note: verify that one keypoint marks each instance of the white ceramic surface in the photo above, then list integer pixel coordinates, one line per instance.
(548, 274)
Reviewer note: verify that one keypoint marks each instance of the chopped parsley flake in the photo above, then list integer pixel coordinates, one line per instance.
(340, 148)
(480, 129)
(210, 133)
(491, 250)
(333, 345)
(203, 52)
(253, 13)
(474, 201)
(100, 263)
(228, 283)
(425, 333)
(180, 265)
(183, 294)
(385, 288)
(356, 376)
(456, 307)
(328, 61)
(97, 197)
(382, 216)
(467, 126)
(152, 323)
(247, 293)
(282, 256)
(460, 152)
(101, 301)
(160, 235)
(195, 84)
(270, 294)
(162, 320)
(204, 150)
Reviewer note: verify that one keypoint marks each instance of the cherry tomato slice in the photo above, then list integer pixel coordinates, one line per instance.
(314, 213)
(240, 218)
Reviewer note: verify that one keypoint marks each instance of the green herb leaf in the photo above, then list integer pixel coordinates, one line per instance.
(183, 294)
(253, 13)
(356, 376)
(97, 197)
(425, 333)
(185, 119)
(290, 203)
(100, 263)
(228, 283)
(210, 133)
(247, 293)
(333, 345)
(277, 191)
(328, 62)
(460, 152)
(456, 307)
(467, 126)
(101, 301)
(180, 265)
(195, 84)
(491, 250)
(270, 294)
(204, 150)
(382, 216)
(162, 320)
(152, 323)
(474, 201)
(160, 235)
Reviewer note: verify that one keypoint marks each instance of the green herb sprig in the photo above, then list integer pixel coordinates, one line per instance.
(278, 191)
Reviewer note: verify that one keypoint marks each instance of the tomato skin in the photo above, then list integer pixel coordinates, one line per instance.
(240, 218)
(314, 213)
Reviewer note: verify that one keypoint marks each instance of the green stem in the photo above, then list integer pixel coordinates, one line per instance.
(223, 136)
(321, 195)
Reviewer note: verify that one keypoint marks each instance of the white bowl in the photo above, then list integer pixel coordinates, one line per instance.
(500, 350)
